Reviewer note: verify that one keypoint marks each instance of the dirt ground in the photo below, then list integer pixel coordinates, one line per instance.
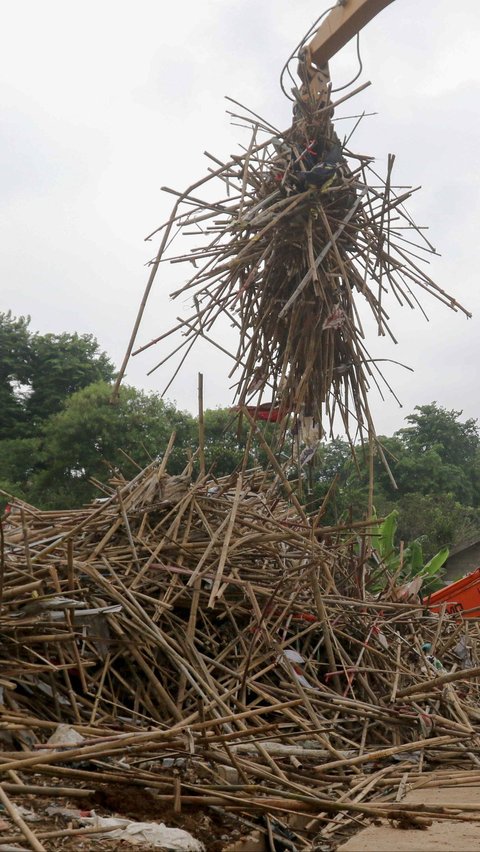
(441, 836)
(219, 832)
(213, 830)
(216, 831)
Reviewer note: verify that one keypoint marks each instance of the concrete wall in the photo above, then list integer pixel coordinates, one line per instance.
(461, 563)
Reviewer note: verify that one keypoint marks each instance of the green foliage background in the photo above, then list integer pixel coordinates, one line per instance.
(60, 439)
(435, 462)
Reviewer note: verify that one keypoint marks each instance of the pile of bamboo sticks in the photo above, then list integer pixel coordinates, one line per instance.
(211, 641)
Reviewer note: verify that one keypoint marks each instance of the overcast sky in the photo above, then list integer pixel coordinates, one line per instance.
(105, 102)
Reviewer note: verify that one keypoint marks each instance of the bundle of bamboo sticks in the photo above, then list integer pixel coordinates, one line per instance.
(303, 236)
(211, 641)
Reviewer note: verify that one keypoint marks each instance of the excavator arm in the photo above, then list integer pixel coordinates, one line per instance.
(341, 25)
(343, 22)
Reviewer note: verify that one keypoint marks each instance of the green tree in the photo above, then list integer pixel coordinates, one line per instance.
(93, 439)
(19, 459)
(38, 372)
(440, 454)
(436, 520)
(60, 365)
(435, 461)
(226, 440)
(335, 463)
(14, 373)
(224, 443)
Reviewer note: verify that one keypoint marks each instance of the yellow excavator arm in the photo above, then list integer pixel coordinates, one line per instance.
(342, 23)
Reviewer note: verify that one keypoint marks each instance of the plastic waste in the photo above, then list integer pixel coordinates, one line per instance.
(295, 659)
(156, 834)
(462, 651)
(65, 735)
(434, 661)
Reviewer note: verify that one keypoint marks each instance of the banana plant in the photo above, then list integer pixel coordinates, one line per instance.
(404, 565)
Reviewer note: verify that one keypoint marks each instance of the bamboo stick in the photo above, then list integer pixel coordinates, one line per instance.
(13, 812)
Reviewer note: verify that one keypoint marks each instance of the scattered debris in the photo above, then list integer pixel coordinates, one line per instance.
(204, 659)
(239, 664)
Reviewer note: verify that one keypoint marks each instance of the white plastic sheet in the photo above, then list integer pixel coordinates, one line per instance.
(156, 834)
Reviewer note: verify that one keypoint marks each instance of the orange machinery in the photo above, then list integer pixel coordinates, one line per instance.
(463, 596)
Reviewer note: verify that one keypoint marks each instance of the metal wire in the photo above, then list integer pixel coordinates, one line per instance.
(357, 75)
(297, 49)
(295, 53)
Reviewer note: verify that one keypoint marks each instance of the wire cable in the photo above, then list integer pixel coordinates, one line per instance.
(357, 75)
(301, 44)
(295, 53)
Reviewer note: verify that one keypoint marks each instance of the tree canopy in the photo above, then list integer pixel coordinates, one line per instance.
(435, 463)
(14, 372)
(61, 365)
(39, 371)
(440, 453)
(92, 440)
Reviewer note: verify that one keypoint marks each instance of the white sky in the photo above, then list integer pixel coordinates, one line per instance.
(105, 102)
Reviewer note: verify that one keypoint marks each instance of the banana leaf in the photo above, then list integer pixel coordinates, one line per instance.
(434, 565)
(413, 559)
(383, 540)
